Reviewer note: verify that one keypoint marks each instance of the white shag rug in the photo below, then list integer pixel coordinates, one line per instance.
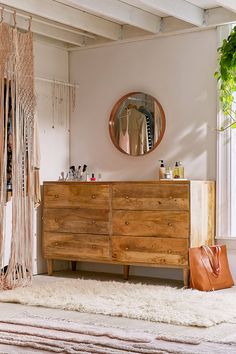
(137, 301)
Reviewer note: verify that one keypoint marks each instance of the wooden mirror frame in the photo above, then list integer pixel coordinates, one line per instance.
(113, 117)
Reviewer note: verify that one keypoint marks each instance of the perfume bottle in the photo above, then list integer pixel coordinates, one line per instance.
(162, 170)
(168, 173)
(176, 170)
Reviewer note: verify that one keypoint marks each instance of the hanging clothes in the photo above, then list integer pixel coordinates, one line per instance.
(131, 132)
(150, 125)
(158, 122)
(8, 117)
(123, 138)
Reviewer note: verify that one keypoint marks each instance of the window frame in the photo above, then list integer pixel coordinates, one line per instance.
(226, 170)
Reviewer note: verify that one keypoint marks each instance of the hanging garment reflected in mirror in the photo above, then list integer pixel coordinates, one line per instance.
(137, 124)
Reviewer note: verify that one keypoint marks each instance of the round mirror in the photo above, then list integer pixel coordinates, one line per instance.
(137, 124)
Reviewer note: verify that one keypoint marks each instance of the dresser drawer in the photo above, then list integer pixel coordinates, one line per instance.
(150, 250)
(83, 221)
(151, 223)
(150, 196)
(84, 196)
(75, 247)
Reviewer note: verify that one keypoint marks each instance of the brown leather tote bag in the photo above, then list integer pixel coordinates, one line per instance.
(209, 268)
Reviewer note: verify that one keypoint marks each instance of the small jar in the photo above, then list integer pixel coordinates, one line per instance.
(93, 178)
(168, 173)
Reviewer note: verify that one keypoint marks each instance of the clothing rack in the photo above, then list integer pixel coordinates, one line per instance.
(56, 82)
(139, 99)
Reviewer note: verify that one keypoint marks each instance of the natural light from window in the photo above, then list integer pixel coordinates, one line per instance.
(226, 168)
(233, 183)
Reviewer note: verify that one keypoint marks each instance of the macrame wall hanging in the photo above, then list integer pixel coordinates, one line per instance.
(63, 100)
(17, 153)
(63, 103)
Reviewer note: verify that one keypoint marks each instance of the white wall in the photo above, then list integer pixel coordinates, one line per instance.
(179, 72)
(50, 63)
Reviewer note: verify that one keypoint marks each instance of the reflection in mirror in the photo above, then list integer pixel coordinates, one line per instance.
(137, 124)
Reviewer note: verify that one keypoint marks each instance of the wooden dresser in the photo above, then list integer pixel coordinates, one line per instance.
(150, 223)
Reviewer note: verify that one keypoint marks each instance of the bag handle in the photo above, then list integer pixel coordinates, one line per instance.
(214, 258)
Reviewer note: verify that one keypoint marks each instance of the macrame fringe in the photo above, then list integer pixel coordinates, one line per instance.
(17, 84)
(63, 103)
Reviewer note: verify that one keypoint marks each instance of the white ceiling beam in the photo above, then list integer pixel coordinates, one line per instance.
(57, 33)
(119, 11)
(46, 30)
(219, 16)
(66, 15)
(180, 9)
(228, 4)
(54, 42)
(174, 25)
(213, 17)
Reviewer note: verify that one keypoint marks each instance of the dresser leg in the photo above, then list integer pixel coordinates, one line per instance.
(186, 277)
(50, 266)
(73, 266)
(126, 272)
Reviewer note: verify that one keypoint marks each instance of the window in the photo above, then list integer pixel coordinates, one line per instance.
(226, 170)
(233, 183)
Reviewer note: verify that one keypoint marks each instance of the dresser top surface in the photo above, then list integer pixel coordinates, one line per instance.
(130, 182)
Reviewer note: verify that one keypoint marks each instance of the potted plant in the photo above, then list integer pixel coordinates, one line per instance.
(226, 75)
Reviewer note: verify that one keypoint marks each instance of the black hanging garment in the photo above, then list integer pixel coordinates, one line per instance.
(150, 126)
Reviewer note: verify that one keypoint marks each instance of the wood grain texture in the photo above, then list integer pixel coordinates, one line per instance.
(91, 221)
(150, 197)
(84, 196)
(126, 272)
(186, 275)
(150, 250)
(75, 246)
(151, 223)
(50, 266)
(202, 213)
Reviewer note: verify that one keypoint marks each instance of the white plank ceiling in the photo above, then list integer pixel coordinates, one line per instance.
(83, 23)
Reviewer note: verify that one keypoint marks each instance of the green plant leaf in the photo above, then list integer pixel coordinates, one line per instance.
(226, 75)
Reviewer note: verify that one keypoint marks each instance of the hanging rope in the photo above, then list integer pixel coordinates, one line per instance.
(30, 23)
(14, 19)
(17, 146)
(2, 14)
(63, 103)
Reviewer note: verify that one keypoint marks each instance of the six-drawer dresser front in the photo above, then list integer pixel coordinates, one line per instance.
(150, 223)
